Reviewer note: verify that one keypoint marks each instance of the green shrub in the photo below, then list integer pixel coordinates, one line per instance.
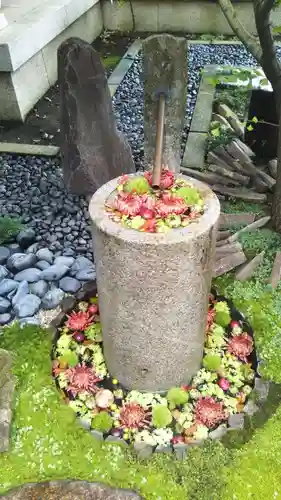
(102, 422)
(8, 228)
(176, 397)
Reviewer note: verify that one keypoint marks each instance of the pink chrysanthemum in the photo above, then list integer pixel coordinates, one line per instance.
(81, 378)
(241, 346)
(167, 178)
(79, 320)
(133, 416)
(209, 412)
(127, 203)
(170, 204)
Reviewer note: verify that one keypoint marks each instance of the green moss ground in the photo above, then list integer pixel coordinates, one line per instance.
(47, 443)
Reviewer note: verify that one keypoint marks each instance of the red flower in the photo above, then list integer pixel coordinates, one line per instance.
(223, 384)
(209, 412)
(79, 320)
(210, 318)
(127, 203)
(167, 178)
(241, 346)
(81, 378)
(170, 204)
(133, 416)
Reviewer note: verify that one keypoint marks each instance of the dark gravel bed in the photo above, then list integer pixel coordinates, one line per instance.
(32, 188)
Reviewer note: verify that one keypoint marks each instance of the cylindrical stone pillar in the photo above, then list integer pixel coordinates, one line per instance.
(153, 294)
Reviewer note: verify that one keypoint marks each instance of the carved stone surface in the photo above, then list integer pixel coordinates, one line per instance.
(157, 286)
(69, 490)
(165, 69)
(93, 151)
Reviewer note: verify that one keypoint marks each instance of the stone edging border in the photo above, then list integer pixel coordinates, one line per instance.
(114, 81)
(144, 451)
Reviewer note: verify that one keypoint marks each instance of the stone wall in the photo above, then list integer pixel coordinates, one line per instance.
(203, 16)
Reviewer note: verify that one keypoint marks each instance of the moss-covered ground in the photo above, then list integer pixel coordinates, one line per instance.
(47, 443)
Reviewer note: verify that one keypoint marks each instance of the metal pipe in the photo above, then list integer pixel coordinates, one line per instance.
(157, 168)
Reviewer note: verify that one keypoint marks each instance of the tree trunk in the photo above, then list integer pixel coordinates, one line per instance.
(276, 206)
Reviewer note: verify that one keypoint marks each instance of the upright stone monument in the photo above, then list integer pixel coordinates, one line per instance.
(165, 70)
(153, 294)
(93, 151)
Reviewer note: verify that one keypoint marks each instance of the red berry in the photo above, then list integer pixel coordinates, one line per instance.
(234, 324)
(224, 384)
(93, 309)
(79, 337)
(177, 439)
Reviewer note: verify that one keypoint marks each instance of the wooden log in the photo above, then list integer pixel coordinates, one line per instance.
(247, 270)
(228, 263)
(276, 271)
(249, 152)
(223, 235)
(221, 152)
(272, 167)
(222, 121)
(216, 160)
(267, 179)
(238, 178)
(209, 178)
(234, 150)
(251, 227)
(226, 249)
(228, 220)
(232, 118)
(241, 194)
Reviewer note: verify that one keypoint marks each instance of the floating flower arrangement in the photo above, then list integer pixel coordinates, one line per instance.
(138, 205)
(185, 414)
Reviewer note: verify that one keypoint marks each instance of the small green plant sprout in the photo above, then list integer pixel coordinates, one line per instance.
(102, 422)
(161, 416)
(212, 362)
(70, 358)
(190, 195)
(176, 397)
(222, 317)
(138, 185)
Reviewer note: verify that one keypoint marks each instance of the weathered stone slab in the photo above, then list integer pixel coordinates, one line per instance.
(234, 176)
(247, 270)
(194, 154)
(93, 151)
(69, 490)
(165, 69)
(272, 167)
(251, 227)
(229, 262)
(202, 114)
(242, 194)
(228, 220)
(276, 271)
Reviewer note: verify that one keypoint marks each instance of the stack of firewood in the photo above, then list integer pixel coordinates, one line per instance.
(231, 170)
